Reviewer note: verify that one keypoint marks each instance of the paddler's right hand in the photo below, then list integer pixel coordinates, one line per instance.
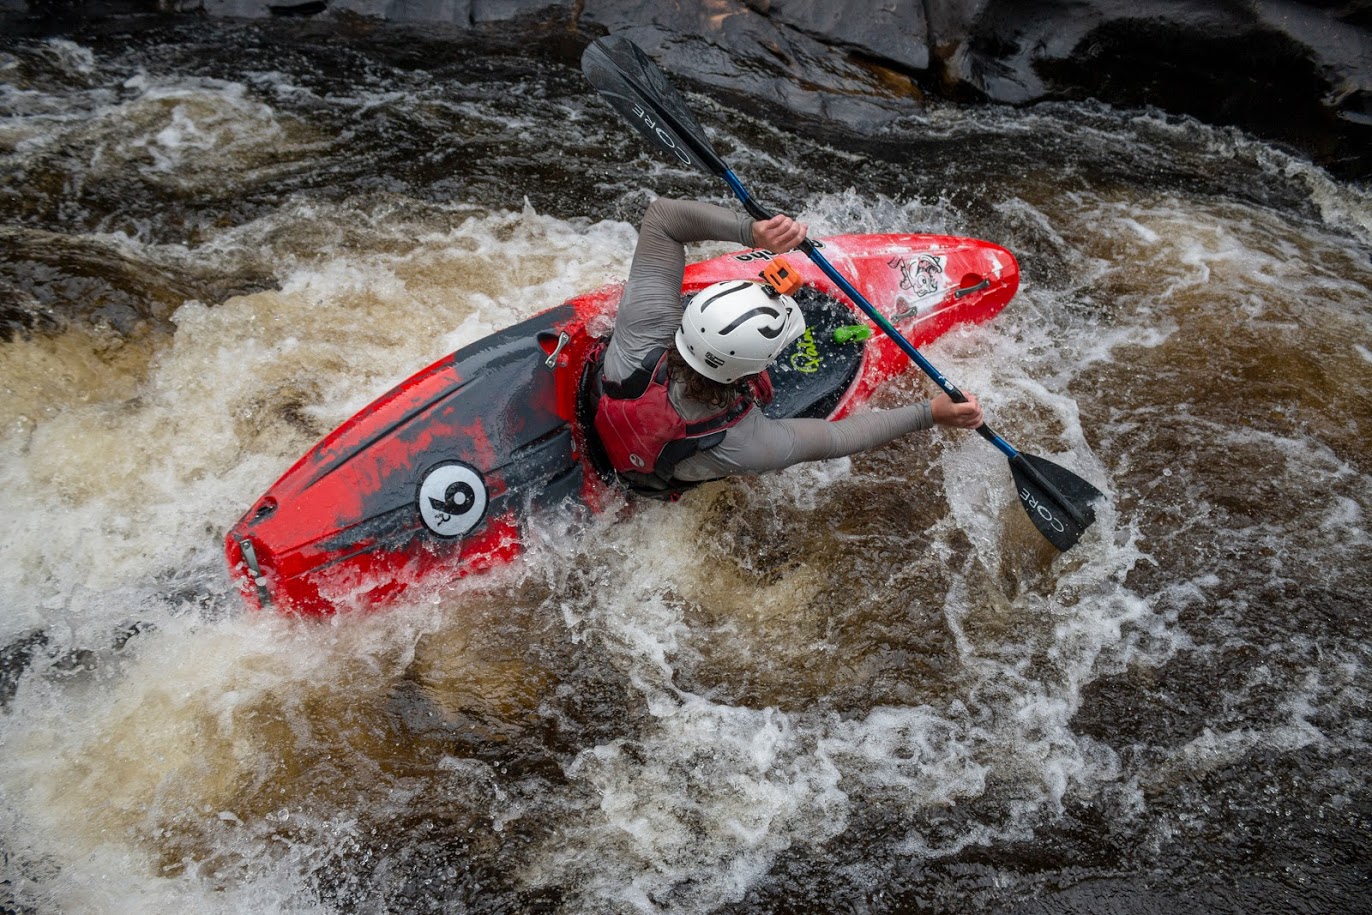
(954, 415)
(779, 234)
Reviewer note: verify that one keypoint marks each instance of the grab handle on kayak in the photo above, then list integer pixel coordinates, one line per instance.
(968, 290)
(545, 340)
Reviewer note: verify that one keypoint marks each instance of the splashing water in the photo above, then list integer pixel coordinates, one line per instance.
(859, 684)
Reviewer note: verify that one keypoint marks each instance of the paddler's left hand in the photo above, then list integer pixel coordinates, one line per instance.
(954, 415)
(779, 234)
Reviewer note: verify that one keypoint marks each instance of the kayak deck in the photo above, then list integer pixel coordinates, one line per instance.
(437, 477)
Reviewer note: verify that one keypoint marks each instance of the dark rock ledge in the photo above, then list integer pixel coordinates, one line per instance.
(1299, 73)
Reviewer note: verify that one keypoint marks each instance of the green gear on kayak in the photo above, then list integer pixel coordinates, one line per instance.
(852, 333)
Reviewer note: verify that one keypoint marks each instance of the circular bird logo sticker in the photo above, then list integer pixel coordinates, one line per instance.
(452, 499)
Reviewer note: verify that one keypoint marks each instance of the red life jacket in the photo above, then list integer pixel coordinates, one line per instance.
(643, 434)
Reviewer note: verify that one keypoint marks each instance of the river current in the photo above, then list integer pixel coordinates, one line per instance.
(860, 686)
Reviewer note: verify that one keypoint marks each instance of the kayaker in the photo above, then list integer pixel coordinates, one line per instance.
(680, 389)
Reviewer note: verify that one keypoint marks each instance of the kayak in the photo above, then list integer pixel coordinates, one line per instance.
(439, 477)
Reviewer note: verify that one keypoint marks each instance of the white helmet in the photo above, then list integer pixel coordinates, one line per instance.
(736, 328)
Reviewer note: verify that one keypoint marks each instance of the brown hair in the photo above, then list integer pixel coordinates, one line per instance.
(701, 389)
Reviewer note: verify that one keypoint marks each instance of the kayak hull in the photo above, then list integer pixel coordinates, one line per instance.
(437, 477)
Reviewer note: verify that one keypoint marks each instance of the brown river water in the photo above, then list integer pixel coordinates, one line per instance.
(860, 686)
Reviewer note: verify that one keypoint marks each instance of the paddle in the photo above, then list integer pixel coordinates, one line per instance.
(1057, 500)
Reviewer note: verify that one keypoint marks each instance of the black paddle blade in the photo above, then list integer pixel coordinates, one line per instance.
(1057, 500)
(637, 89)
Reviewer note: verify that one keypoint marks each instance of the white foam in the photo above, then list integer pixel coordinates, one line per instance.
(1143, 231)
(117, 495)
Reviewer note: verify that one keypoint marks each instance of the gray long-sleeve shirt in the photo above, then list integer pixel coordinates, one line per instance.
(649, 314)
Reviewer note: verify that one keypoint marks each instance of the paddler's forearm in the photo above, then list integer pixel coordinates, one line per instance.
(867, 430)
(668, 225)
(759, 445)
(686, 221)
(820, 440)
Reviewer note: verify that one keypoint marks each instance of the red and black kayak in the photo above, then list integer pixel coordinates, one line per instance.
(438, 477)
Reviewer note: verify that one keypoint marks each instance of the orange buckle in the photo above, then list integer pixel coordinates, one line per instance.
(781, 276)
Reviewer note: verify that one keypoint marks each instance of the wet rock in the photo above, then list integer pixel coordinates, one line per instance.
(14, 661)
(50, 281)
(1292, 71)
(890, 32)
(732, 48)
